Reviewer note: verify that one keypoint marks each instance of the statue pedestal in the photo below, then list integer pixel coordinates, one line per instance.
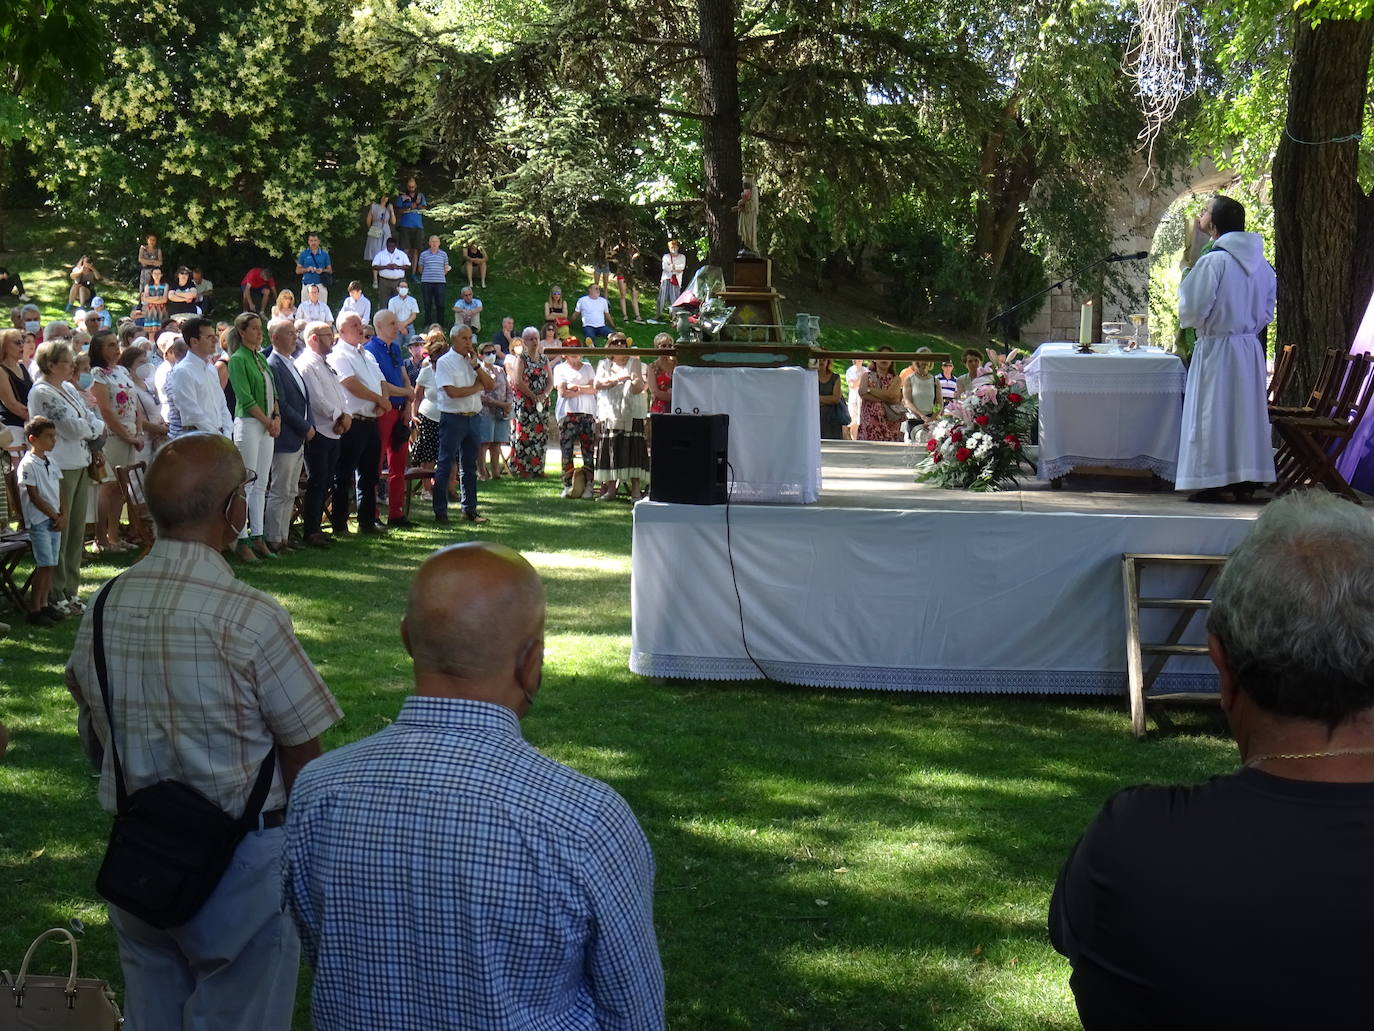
(758, 307)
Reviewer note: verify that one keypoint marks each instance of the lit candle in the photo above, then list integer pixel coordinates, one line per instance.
(1085, 325)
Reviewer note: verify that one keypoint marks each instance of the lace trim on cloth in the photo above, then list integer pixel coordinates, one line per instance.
(877, 678)
(1062, 465)
(790, 493)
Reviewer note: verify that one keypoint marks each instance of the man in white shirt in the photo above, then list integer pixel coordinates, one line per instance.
(327, 409)
(391, 265)
(360, 446)
(194, 383)
(406, 309)
(356, 301)
(595, 313)
(312, 309)
(172, 347)
(670, 282)
(460, 379)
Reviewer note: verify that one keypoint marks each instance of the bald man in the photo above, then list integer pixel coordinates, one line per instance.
(208, 686)
(529, 885)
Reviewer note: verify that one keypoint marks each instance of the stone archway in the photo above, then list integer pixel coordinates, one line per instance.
(1134, 217)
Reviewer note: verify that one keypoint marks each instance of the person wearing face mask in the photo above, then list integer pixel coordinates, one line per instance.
(208, 685)
(554, 858)
(134, 359)
(406, 309)
(390, 266)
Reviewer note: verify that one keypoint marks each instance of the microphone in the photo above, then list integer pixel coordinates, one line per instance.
(1137, 256)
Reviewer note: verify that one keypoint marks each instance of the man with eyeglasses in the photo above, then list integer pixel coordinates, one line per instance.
(193, 383)
(207, 684)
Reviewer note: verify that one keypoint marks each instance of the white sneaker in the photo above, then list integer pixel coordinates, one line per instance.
(567, 491)
(588, 493)
(75, 606)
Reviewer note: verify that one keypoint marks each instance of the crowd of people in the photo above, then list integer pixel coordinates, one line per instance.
(336, 411)
(885, 404)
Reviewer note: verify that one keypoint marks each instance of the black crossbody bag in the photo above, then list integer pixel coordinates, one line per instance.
(170, 845)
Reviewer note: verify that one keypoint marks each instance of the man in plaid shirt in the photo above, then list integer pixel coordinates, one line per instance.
(205, 676)
(442, 872)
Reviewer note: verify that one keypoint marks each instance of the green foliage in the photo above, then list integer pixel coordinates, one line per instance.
(209, 128)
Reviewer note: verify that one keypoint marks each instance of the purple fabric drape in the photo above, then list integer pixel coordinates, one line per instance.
(1357, 464)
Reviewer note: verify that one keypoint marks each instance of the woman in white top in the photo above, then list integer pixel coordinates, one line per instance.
(54, 397)
(576, 385)
(922, 398)
(622, 406)
(852, 375)
(113, 389)
(424, 410)
(380, 217)
(135, 360)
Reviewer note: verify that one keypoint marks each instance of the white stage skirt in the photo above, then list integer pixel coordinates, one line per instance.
(977, 601)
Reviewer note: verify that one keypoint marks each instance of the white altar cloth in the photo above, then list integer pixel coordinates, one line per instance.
(1119, 409)
(976, 601)
(775, 428)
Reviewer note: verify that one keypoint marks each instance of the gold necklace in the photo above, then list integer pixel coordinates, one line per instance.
(1308, 755)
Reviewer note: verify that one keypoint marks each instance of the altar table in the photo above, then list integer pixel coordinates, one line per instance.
(1118, 408)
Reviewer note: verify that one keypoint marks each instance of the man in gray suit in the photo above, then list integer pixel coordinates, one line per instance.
(297, 426)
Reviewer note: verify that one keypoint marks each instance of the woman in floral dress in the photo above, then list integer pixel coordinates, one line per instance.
(878, 388)
(114, 392)
(528, 373)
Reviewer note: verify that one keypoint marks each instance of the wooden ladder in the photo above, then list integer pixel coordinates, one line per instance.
(1139, 679)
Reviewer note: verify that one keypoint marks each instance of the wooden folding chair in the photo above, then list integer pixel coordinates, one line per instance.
(136, 498)
(1330, 377)
(1316, 441)
(1285, 362)
(14, 548)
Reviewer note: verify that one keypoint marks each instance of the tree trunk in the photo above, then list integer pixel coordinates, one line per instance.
(720, 131)
(1320, 214)
(1008, 180)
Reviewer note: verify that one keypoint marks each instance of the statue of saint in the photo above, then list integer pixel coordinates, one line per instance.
(748, 210)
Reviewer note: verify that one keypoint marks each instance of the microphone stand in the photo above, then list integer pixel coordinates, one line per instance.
(1055, 286)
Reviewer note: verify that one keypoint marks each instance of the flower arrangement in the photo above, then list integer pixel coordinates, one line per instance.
(977, 442)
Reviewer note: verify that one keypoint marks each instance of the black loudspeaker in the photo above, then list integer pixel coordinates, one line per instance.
(687, 463)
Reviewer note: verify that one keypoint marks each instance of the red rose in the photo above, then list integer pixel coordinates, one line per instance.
(963, 454)
(956, 435)
(1015, 398)
(1013, 441)
(981, 420)
(935, 457)
(931, 445)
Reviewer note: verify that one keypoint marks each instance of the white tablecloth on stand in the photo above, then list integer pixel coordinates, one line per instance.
(1118, 409)
(976, 601)
(775, 428)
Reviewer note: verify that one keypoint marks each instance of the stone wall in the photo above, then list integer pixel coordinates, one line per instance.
(1135, 217)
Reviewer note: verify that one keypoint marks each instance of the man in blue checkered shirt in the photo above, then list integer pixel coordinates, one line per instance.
(443, 873)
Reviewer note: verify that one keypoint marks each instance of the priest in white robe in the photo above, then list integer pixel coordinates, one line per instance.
(1228, 297)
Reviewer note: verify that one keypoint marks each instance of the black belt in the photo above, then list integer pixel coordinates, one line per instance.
(267, 821)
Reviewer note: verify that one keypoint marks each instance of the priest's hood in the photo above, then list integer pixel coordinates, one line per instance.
(1246, 248)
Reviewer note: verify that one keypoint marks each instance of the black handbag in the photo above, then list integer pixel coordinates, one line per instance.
(170, 845)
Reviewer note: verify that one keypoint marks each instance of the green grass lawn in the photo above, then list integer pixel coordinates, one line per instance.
(826, 859)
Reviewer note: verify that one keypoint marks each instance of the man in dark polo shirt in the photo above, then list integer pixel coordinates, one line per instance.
(1245, 902)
